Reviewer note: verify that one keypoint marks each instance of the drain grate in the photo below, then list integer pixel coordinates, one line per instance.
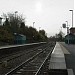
(58, 72)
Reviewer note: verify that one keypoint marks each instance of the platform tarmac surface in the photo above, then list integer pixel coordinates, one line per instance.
(69, 52)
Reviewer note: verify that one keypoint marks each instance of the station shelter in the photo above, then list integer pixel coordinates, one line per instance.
(19, 38)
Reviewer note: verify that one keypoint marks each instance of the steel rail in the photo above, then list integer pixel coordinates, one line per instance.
(18, 55)
(28, 60)
(38, 71)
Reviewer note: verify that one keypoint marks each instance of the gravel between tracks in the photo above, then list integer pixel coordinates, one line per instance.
(18, 58)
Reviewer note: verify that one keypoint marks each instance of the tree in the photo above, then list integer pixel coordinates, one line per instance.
(42, 32)
(5, 35)
(60, 36)
(22, 25)
(15, 21)
(6, 24)
(43, 35)
(22, 29)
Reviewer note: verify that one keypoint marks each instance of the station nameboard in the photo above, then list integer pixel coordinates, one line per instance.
(64, 25)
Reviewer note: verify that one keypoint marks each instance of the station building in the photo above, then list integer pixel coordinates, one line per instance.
(71, 36)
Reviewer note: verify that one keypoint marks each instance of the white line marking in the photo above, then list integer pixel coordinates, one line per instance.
(70, 72)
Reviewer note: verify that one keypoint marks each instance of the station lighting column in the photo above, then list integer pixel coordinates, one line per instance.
(72, 17)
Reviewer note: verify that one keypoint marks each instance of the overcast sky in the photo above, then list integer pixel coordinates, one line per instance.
(47, 14)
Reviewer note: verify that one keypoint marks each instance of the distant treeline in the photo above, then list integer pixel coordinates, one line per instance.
(15, 23)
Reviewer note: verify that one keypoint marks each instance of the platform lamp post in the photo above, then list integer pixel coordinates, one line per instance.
(16, 30)
(67, 30)
(72, 17)
(33, 24)
(16, 13)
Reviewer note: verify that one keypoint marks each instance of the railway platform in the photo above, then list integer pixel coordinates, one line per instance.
(57, 65)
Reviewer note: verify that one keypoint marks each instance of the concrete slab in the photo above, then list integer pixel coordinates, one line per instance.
(57, 59)
(57, 65)
(58, 52)
(65, 51)
(57, 55)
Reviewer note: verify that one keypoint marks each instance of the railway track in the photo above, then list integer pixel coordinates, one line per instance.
(35, 64)
(19, 52)
(17, 59)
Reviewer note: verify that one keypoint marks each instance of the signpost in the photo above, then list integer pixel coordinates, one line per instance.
(66, 26)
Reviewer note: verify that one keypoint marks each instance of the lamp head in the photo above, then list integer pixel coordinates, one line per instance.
(70, 10)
